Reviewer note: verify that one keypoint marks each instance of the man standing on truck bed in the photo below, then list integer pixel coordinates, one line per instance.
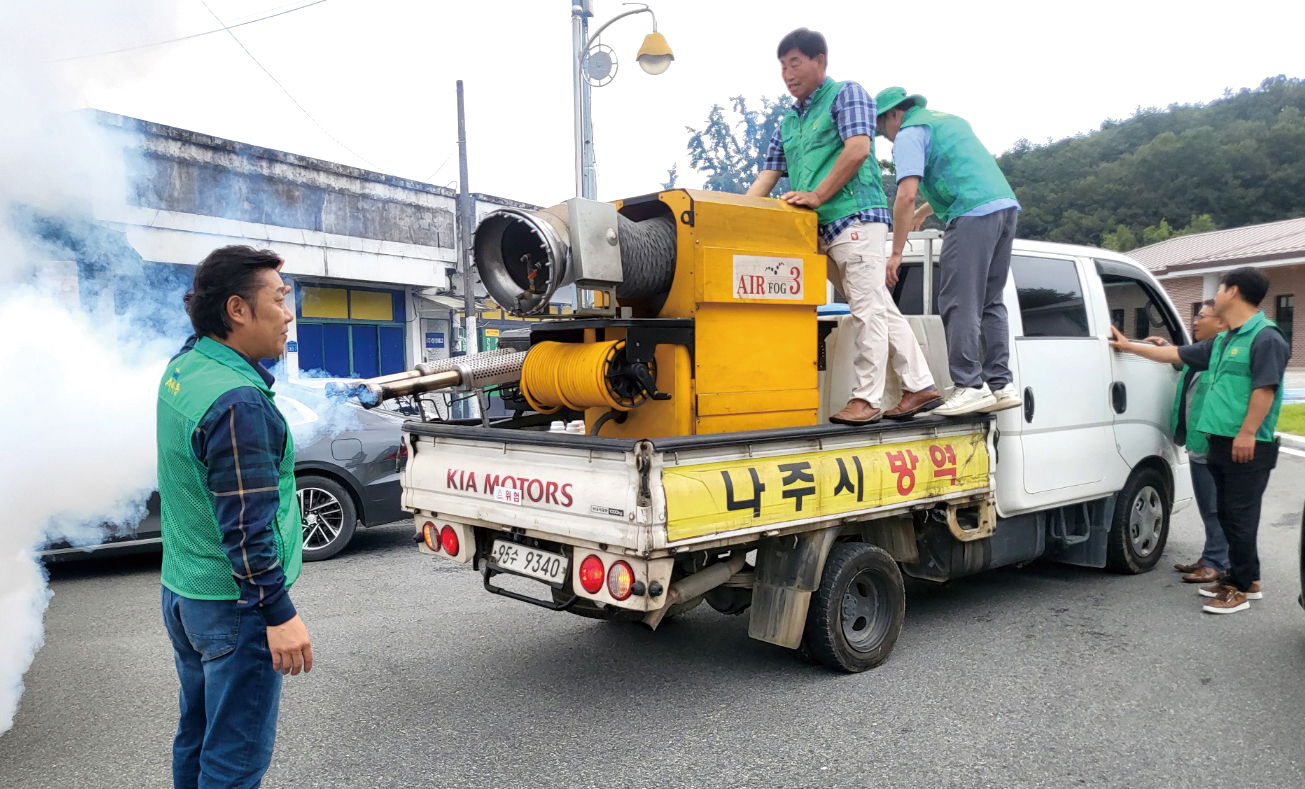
(938, 155)
(826, 146)
(1245, 365)
(232, 537)
(1190, 395)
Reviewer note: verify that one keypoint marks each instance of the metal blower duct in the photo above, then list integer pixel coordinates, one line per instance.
(524, 256)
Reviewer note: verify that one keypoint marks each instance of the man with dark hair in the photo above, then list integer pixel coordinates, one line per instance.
(1188, 399)
(232, 538)
(1238, 415)
(825, 144)
(939, 156)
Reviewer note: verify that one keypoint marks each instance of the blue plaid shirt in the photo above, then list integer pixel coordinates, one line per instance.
(854, 113)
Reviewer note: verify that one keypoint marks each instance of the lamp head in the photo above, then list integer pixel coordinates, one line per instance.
(655, 55)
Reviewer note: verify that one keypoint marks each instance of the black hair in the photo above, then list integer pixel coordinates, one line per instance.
(226, 272)
(1250, 282)
(905, 106)
(1208, 303)
(808, 42)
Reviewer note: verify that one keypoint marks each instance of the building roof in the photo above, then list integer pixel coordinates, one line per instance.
(1273, 241)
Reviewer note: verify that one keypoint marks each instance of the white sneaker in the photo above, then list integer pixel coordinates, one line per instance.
(1007, 397)
(966, 400)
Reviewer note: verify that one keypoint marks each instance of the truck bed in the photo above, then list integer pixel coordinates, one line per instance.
(657, 497)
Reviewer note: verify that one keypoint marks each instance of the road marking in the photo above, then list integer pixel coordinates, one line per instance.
(1298, 453)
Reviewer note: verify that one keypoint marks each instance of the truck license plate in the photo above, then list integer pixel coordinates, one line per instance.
(548, 567)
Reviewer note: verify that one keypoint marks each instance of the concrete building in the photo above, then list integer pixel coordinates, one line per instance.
(372, 258)
(1190, 267)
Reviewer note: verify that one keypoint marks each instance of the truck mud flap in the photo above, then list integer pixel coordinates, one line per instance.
(488, 571)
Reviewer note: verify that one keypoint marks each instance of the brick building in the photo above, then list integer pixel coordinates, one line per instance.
(1189, 267)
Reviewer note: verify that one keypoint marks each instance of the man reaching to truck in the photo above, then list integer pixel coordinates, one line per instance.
(826, 146)
(1245, 366)
(939, 156)
(1190, 395)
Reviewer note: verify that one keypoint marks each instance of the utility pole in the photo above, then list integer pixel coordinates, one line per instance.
(465, 219)
(586, 179)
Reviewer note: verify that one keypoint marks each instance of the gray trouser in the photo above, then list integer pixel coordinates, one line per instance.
(972, 272)
(1215, 554)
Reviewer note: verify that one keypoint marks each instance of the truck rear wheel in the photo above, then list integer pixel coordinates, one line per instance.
(1140, 527)
(856, 614)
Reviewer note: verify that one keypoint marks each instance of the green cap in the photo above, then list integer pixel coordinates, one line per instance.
(889, 98)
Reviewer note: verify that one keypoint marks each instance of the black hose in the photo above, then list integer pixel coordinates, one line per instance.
(620, 417)
(647, 256)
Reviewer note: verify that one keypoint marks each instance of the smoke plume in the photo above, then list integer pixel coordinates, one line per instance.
(76, 409)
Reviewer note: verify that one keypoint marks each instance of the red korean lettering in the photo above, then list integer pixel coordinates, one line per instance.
(903, 463)
(943, 459)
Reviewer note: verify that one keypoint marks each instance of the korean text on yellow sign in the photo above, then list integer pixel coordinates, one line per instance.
(739, 494)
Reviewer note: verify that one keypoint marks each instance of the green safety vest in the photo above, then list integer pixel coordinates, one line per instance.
(1194, 440)
(959, 173)
(1229, 393)
(194, 564)
(811, 146)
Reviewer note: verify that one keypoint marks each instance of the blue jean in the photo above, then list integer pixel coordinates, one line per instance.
(1215, 554)
(229, 694)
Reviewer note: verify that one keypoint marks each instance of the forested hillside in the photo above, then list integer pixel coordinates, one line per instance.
(1187, 168)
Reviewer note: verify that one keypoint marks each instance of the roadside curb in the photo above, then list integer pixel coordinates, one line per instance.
(1292, 441)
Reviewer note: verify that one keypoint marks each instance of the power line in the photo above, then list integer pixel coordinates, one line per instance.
(192, 35)
(430, 179)
(290, 96)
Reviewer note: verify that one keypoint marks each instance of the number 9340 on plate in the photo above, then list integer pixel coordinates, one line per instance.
(531, 562)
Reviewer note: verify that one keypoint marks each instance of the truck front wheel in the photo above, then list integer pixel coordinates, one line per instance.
(856, 614)
(1140, 527)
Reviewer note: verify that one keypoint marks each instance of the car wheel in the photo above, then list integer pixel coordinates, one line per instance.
(1140, 527)
(857, 613)
(328, 515)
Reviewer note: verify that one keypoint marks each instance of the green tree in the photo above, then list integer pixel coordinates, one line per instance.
(1154, 234)
(1121, 239)
(728, 151)
(1201, 223)
(1235, 161)
(672, 176)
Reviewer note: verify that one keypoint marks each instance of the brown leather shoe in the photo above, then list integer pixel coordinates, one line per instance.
(857, 412)
(913, 403)
(1189, 568)
(1203, 575)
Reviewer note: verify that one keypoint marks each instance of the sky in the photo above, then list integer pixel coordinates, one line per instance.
(379, 75)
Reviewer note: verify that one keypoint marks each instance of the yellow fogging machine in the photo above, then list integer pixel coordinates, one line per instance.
(695, 313)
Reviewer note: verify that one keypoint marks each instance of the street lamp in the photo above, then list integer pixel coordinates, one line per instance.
(599, 64)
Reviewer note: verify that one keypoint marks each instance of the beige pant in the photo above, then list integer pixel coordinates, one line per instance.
(857, 255)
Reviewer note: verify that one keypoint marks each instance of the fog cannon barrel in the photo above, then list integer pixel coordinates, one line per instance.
(472, 372)
(524, 256)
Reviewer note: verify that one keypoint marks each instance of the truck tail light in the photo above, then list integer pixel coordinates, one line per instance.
(620, 580)
(431, 535)
(591, 574)
(449, 539)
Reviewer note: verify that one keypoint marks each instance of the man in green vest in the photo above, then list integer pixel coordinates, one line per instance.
(1238, 416)
(1188, 399)
(232, 537)
(939, 156)
(825, 144)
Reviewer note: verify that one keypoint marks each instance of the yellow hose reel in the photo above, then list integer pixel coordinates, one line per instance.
(578, 376)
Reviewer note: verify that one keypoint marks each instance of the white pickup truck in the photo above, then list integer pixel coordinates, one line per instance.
(812, 528)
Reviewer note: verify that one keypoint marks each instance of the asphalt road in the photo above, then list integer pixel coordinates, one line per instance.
(1044, 676)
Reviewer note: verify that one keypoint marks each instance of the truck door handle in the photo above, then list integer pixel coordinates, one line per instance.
(1119, 397)
(1028, 404)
